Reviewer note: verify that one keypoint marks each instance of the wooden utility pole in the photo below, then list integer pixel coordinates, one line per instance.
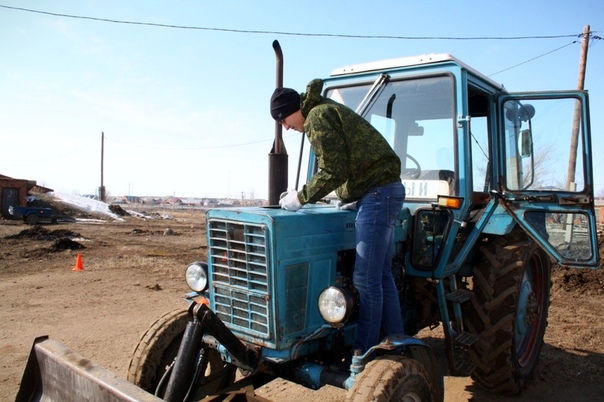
(574, 141)
(102, 188)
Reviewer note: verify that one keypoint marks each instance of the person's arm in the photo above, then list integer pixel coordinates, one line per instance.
(326, 136)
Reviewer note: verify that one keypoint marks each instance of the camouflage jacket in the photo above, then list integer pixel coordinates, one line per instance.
(353, 156)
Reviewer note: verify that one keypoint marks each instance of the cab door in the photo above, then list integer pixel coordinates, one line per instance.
(545, 172)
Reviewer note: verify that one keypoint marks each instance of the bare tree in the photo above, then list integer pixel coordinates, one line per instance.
(545, 166)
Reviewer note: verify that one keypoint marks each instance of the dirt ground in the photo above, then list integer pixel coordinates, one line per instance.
(134, 272)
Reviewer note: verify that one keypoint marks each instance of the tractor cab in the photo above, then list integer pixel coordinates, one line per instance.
(477, 160)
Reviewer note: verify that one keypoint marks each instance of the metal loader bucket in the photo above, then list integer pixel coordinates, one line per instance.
(56, 373)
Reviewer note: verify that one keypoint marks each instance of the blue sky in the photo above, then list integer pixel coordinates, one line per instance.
(185, 112)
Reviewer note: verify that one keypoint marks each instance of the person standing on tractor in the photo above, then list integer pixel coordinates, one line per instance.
(357, 162)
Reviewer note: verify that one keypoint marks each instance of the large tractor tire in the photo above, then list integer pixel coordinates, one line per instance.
(511, 288)
(158, 348)
(394, 378)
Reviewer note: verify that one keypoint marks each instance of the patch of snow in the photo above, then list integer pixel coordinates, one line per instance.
(138, 214)
(145, 215)
(91, 221)
(87, 204)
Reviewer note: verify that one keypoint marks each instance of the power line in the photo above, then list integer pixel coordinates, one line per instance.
(592, 38)
(534, 58)
(262, 32)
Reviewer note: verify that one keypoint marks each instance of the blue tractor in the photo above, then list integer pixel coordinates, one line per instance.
(490, 202)
(499, 187)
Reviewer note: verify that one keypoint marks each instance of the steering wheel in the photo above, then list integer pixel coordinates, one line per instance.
(412, 173)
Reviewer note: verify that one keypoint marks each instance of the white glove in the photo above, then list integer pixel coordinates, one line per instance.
(289, 201)
(351, 206)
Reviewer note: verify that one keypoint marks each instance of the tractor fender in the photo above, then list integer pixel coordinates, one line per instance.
(501, 222)
(423, 354)
(407, 346)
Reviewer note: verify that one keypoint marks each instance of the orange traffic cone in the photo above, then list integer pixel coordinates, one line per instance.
(79, 264)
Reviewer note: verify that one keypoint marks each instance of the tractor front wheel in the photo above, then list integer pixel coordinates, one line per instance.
(158, 348)
(394, 378)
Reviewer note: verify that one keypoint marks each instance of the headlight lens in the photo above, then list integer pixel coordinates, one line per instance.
(196, 276)
(335, 305)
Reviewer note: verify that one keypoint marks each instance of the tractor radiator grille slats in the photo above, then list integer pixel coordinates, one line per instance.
(239, 274)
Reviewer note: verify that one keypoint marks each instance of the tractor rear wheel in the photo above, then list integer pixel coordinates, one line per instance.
(393, 378)
(158, 348)
(511, 286)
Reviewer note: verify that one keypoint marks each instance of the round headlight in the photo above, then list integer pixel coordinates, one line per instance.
(196, 276)
(335, 305)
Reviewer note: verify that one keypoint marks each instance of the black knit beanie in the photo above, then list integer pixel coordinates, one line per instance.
(284, 102)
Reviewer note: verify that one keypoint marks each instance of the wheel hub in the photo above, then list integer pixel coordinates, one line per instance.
(532, 309)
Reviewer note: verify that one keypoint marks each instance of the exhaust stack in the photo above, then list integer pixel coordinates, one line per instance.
(277, 158)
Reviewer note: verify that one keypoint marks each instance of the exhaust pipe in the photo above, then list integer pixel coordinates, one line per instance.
(277, 158)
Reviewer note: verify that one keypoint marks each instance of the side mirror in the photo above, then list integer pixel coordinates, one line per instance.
(523, 113)
(525, 143)
(526, 112)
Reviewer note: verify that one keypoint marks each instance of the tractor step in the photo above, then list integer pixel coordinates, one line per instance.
(459, 295)
(465, 338)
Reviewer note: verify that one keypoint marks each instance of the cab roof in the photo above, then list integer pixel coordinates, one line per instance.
(425, 59)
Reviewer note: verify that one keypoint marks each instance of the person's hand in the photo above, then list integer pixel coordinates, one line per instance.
(289, 201)
(351, 206)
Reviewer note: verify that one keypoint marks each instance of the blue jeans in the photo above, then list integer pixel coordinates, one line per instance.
(379, 308)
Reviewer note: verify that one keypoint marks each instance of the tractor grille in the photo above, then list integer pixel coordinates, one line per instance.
(239, 261)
